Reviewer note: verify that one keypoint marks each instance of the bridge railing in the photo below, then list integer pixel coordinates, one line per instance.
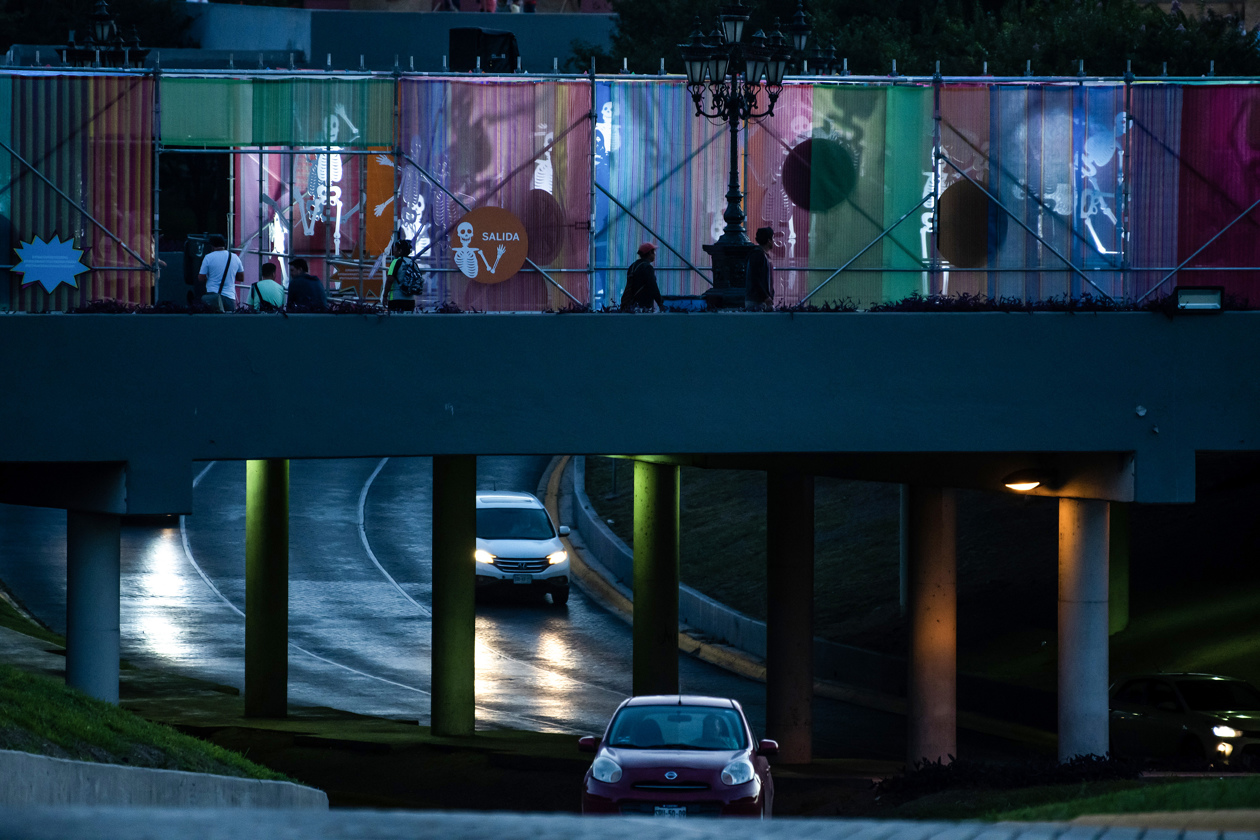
(878, 187)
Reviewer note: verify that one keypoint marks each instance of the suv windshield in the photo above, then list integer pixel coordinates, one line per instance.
(513, 524)
(678, 727)
(1219, 695)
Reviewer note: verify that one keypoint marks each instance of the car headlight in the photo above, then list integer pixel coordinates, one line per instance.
(557, 557)
(483, 556)
(737, 772)
(606, 770)
(1226, 732)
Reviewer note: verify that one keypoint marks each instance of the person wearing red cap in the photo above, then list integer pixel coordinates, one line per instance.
(641, 289)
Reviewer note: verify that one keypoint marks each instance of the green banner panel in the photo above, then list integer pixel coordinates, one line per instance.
(206, 112)
(324, 112)
(907, 179)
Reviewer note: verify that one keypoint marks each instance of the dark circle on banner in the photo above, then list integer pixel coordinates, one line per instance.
(969, 224)
(489, 244)
(544, 222)
(818, 174)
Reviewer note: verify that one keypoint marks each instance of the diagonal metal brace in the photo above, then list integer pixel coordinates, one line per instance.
(447, 232)
(869, 246)
(1020, 222)
(1217, 236)
(646, 227)
(77, 206)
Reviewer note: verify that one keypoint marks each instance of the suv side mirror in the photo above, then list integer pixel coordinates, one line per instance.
(564, 530)
(767, 747)
(588, 743)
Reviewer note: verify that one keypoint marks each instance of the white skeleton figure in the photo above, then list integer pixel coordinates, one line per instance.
(466, 257)
(543, 175)
(324, 188)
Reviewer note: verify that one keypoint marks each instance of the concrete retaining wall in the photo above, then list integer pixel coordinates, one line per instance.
(36, 780)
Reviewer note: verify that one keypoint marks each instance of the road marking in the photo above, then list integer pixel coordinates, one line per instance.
(183, 532)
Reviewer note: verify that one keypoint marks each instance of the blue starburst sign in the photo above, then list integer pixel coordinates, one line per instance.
(49, 263)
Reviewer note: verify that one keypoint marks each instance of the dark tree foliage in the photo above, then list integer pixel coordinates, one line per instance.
(160, 23)
(962, 34)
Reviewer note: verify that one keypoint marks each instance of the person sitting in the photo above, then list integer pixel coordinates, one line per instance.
(306, 291)
(714, 733)
(267, 295)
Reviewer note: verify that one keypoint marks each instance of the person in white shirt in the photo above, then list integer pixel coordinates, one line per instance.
(220, 271)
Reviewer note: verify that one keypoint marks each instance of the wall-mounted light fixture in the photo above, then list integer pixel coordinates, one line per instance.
(1200, 298)
(1021, 481)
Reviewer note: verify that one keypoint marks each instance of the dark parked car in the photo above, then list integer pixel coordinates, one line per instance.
(1187, 716)
(679, 756)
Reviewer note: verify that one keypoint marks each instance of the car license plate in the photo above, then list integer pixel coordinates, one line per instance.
(674, 811)
(522, 578)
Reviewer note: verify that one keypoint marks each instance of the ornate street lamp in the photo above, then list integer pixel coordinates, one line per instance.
(724, 77)
(105, 44)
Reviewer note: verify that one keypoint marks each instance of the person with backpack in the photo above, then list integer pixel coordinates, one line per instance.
(403, 278)
(641, 290)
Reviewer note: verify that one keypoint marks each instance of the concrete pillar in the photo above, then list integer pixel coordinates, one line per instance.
(454, 585)
(92, 598)
(1083, 545)
(790, 614)
(932, 607)
(266, 588)
(1118, 569)
(655, 632)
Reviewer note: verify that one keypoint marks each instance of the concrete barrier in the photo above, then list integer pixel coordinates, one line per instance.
(37, 780)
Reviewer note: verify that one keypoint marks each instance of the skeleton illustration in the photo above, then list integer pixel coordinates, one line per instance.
(323, 187)
(466, 256)
(543, 174)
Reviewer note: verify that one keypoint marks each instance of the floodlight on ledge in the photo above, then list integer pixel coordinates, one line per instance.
(1021, 481)
(1200, 298)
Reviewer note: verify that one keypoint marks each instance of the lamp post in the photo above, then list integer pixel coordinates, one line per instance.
(728, 73)
(105, 44)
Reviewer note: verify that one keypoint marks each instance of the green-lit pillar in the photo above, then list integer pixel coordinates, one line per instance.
(266, 588)
(1118, 569)
(790, 614)
(454, 585)
(655, 578)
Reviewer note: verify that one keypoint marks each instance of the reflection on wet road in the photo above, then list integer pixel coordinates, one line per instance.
(360, 590)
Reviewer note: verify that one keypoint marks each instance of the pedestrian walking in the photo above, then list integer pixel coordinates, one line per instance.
(641, 290)
(759, 293)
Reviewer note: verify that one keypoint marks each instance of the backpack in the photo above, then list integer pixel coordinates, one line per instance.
(409, 279)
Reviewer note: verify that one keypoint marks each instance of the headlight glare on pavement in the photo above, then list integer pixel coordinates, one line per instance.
(737, 772)
(606, 770)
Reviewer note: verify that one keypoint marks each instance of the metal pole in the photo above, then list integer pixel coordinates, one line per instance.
(646, 227)
(157, 176)
(867, 247)
(590, 232)
(1125, 172)
(935, 278)
(1187, 260)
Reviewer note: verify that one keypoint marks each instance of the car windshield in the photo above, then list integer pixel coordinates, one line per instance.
(520, 523)
(678, 727)
(1219, 695)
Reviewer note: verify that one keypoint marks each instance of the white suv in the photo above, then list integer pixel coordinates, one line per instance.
(519, 546)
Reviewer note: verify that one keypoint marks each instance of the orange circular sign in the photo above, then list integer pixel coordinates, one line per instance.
(489, 245)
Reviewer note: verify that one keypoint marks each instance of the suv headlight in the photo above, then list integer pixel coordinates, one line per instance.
(606, 770)
(1226, 732)
(737, 772)
(483, 556)
(557, 557)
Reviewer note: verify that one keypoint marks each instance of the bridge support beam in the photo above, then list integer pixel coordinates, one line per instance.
(790, 614)
(267, 588)
(454, 586)
(92, 603)
(932, 608)
(1083, 620)
(655, 631)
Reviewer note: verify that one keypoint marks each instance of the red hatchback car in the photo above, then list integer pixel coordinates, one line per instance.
(679, 756)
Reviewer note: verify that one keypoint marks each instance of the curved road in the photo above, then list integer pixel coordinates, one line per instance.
(360, 590)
